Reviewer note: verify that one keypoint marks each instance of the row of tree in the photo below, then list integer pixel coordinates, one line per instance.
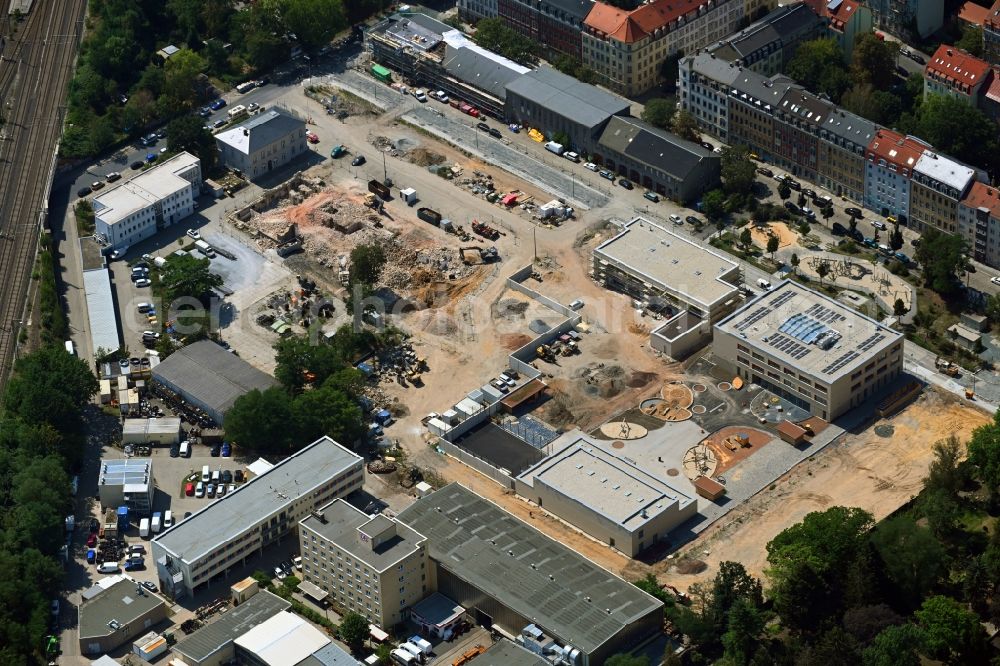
(40, 439)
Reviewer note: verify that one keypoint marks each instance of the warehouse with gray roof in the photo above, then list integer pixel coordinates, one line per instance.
(209, 377)
(510, 575)
(657, 160)
(214, 643)
(203, 547)
(556, 103)
(114, 611)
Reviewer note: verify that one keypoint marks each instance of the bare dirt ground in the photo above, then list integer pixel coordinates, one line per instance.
(878, 474)
(786, 237)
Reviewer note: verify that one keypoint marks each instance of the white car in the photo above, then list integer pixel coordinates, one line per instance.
(118, 254)
(676, 219)
(143, 282)
(590, 166)
(995, 280)
(193, 233)
(144, 307)
(279, 573)
(441, 96)
(420, 95)
(878, 224)
(297, 560)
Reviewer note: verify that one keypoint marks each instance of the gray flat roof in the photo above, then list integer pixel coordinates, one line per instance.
(209, 374)
(329, 655)
(144, 189)
(675, 262)
(506, 653)
(122, 471)
(535, 576)
(123, 601)
(478, 69)
(564, 95)
(168, 425)
(713, 68)
(101, 311)
(809, 331)
(607, 484)
(341, 527)
(223, 520)
(212, 637)
(654, 147)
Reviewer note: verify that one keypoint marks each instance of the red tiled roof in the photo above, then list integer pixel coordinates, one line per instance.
(993, 16)
(982, 195)
(991, 89)
(896, 149)
(844, 12)
(972, 13)
(956, 65)
(631, 26)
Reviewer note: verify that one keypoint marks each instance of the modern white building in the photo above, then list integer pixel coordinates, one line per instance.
(158, 432)
(263, 143)
(152, 200)
(230, 530)
(371, 565)
(605, 494)
(127, 482)
(810, 349)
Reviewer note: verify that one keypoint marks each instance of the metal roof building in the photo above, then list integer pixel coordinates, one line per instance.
(163, 431)
(127, 482)
(506, 653)
(554, 102)
(492, 563)
(101, 311)
(284, 639)
(226, 532)
(114, 611)
(210, 377)
(214, 643)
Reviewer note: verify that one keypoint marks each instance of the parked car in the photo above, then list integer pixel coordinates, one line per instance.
(150, 586)
(143, 282)
(707, 146)
(358, 161)
(764, 171)
(838, 229)
(792, 207)
(238, 476)
(495, 133)
(108, 568)
(113, 176)
(136, 165)
(215, 451)
(794, 184)
(590, 166)
(189, 489)
(691, 219)
(311, 137)
(652, 196)
(676, 219)
(879, 224)
(607, 174)
(226, 452)
(210, 490)
(83, 191)
(279, 573)
(205, 111)
(856, 212)
(199, 489)
(144, 308)
(193, 233)
(809, 193)
(626, 183)
(218, 104)
(218, 123)
(483, 126)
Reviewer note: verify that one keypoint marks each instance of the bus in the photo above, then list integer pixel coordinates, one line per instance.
(69, 348)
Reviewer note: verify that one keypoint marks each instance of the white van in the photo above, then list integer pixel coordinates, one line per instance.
(763, 284)
(206, 475)
(554, 147)
(156, 523)
(237, 111)
(168, 519)
(69, 348)
(403, 657)
(108, 568)
(144, 528)
(421, 643)
(246, 87)
(412, 649)
(185, 450)
(216, 476)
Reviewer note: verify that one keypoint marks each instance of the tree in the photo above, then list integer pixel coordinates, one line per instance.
(946, 472)
(652, 587)
(732, 585)
(971, 40)
(367, 262)
(943, 257)
(772, 245)
(941, 511)
(873, 61)
(818, 65)
(627, 660)
(784, 191)
(852, 224)
(737, 170)
(187, 133)
(794, 261)
(180, 73)
(745, 625)
(810, 563)
(894, 646)
(984, 454)
(713, 205)
(495, 35)
(353, 630)
(684, 125)
(827, 212)
(187, 276)
(959, 129)
(951, 631)
(384, 654)
(835, 647)
(896, 238)
(298, 356)
(911, 556)
(327, 411)
(260, 421)
(746, 238)
(659, 112)
(993, 308)
(899, 308)
(314, 22)
(864, 623)
(822, 271)
(876, 105)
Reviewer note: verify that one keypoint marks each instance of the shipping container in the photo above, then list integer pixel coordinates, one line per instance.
(381, 73)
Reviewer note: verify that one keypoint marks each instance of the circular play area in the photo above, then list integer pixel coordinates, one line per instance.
(623, 430)
(725, 386)
(698, 409)
(678, 395)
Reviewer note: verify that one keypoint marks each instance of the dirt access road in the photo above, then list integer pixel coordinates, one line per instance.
(878, 474)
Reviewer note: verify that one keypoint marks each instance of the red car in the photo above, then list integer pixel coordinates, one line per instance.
(312, 138)
(189, 489)
(91, 541)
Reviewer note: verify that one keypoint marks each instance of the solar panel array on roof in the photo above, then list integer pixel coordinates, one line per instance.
(787, 345)
(843, 360)
(752, 318)
(871, 342)
(782, 298)
(825, 314)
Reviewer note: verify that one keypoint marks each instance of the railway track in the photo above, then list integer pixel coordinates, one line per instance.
(36, 66)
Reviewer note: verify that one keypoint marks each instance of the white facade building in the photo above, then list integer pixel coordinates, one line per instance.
(142, 205)
(266, 142)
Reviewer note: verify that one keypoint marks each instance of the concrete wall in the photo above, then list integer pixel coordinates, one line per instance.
(694, 335)
(500, 476)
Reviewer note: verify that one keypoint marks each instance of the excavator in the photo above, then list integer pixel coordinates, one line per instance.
(480, 255)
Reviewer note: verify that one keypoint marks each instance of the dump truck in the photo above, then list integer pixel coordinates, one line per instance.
(485, 230)
(378, 188)
(429, 215)
(947, 367)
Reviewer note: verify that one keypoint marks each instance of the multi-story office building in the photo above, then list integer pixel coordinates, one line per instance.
(979, 222)
(810, 349)
(890, 159)
(937, 185)
(767, 45)
(843, 139)
(225, 533)
(703, 85)
(956, 73)
(656, 159)
(266, 142)
(799, 117)
(370, 565)
(627, 48)
(555, 24)
(908, 19)
(152, 200)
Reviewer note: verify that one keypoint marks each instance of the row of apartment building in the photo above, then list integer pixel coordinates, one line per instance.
(810, 137)
(988, 20)
(627, 47)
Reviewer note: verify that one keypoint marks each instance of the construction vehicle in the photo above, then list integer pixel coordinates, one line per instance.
(378, 188)
(479, 254)
(544, 352)
(374, 202)
(429, 215)
(485, 230)
(947, 367)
